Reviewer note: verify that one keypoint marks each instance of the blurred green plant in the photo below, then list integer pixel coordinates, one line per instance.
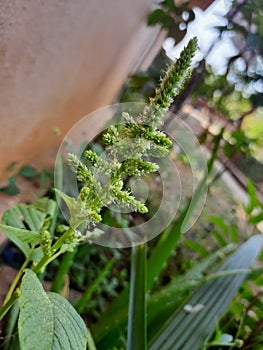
(41, 179)
(173, 18)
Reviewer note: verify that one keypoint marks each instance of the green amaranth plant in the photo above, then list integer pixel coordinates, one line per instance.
(38, 243)
(127, 158)
(46, 320)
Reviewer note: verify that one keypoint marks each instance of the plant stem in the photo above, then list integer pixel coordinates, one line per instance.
(11, 296)
(212, 159)
(5, 308)
(137, 306)
(42, 263)
(10, 329)
(47, 259)
(16, 280)
(91, 343)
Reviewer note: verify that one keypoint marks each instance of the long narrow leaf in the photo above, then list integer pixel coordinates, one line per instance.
(188, 330)
(169, 297)
(91, 289)
(105, 334)
(10, 330)
(63, 270)
(196, 247)
(164, 249)
(137, 309)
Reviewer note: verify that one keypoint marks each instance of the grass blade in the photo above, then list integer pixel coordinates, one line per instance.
(137, 307)
(189, 330)
(63, 270)
(105, 334)
(91, 289)
(91, 344)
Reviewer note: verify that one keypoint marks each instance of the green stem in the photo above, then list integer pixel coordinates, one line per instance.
(213, 157)
(90, 341)
(16, 280)
(11, 327)
(5, 308)
(89, 291)
(63, 269)
(47, 259)
(137, 305)
(11, 296)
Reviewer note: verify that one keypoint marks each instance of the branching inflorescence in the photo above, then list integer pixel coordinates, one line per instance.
(129, 147)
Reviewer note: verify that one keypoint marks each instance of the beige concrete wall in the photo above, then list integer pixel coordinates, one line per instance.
(60, 60)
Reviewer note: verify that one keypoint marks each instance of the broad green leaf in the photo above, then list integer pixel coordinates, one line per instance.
(187, 330)
(37, 254)
(24, 216)
(47, 321)
(22, 223)
(21, 237)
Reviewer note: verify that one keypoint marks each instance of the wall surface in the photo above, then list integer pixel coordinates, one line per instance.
(60, 60)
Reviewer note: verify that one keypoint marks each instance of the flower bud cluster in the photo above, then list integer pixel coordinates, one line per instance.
(129, 148)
